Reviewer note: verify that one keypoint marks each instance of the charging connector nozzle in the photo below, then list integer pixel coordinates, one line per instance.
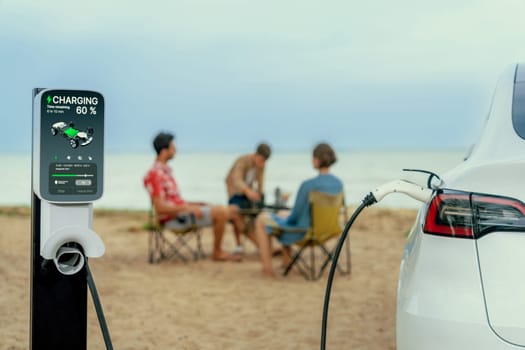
(411, 189)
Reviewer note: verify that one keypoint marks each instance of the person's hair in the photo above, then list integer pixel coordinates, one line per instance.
(264, 150)
(162, 141)
(325, 154)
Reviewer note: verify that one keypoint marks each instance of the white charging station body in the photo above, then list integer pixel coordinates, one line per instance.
(68, 223)
(67, 172)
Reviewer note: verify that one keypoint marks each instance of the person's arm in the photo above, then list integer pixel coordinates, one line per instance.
(237, 176)
(260, 179)
(197, 203)
(164, 207)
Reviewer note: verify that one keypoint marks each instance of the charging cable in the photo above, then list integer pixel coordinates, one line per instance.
(98, 308)
(399, 186)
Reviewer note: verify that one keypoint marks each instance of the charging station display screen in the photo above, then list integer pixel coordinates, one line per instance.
(71, 145)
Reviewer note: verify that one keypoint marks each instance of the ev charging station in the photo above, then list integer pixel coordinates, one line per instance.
(67, 176)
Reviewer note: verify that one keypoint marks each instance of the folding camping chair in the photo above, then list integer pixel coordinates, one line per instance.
(166, 243)
(325, 210)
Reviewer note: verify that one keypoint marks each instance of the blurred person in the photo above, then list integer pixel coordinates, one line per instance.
(171, 208)
(299, 216)
(245, 187)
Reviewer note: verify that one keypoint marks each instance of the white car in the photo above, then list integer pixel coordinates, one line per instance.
(462, 277)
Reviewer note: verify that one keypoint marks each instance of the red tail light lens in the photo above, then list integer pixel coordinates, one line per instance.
(464, 215)
(449, 214)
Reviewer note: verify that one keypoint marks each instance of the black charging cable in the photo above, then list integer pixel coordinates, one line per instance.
(367, 201)
(431, 175)
(98, 308)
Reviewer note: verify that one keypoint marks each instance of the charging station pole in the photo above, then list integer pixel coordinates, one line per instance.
(67, 175)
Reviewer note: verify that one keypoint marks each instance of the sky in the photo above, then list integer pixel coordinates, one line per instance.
(224, 75)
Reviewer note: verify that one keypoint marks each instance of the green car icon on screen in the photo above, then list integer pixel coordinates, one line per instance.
(76, 137)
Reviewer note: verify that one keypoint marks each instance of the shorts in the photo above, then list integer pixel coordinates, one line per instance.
(240, 200)
(285, 234)
(187, 220)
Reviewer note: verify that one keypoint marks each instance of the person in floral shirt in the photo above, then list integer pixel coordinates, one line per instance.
(172, 210)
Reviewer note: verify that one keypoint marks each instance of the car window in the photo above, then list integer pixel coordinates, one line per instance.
(518, 109)
(520, 74)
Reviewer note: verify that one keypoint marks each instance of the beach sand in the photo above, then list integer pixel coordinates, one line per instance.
(216, 305)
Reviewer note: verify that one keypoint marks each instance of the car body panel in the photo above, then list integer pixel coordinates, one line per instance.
(502, 266)
(436, 287)
(479, 178)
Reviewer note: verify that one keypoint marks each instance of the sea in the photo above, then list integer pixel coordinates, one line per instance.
(201, 175)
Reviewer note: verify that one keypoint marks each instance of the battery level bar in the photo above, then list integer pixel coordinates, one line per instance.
(72, 175)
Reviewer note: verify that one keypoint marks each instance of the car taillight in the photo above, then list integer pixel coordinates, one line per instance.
(465, 215)
(450, 214)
